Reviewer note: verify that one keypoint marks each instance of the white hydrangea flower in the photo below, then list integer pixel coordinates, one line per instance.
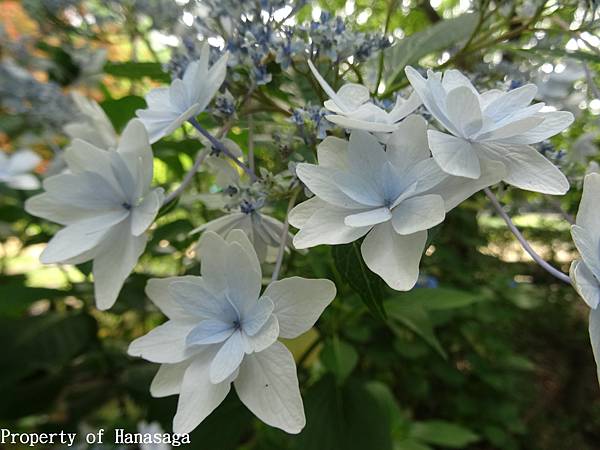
(15, 169)
(95, 127)
(169, 107)
(585, 272)
(393, 196)
(263, 231)
(106, 204)
(222, 331)
(494, 125)
(352, 108)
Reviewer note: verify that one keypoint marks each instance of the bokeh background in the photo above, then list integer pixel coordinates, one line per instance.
(489, 352)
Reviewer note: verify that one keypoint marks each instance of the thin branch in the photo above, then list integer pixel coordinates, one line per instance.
(218, 145)
(284, 235)
(202, 154)
(537, 258)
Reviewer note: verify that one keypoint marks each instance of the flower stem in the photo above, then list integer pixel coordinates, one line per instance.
(284, 235)
(537, 258)
(202, 154)
(218, 145)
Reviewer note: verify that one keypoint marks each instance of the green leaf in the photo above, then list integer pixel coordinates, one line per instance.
(365, 283)
(16, 298)
(43, 342)
(439, 298)
(122, 110)
(339, 358)
(445, 434)
(415, 318)
(437, 37)
(137, 71)
(344, 418)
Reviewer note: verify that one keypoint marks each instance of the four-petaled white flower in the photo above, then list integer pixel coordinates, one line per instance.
(169, 107)
(106, 204)
(221, 330)
(95, 127)
(15, 169)
(352, 108)
(393, 196)
(585, 272)
(494, 126)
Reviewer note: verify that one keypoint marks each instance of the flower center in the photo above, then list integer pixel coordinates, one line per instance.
(126, 205)
(237, 325)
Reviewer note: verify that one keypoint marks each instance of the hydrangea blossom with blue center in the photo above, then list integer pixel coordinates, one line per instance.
(221, 330)
(169, 107)
(391, 195)
(106, 204)
(493, 125)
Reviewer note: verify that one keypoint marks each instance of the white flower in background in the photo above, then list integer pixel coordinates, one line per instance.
(585, 272)
(94, 127)
(15, 169)
(352, 109)
(169, 107)
(106, 204)
(263, 231)
(495, 126)
(393, 196)
(221, 330)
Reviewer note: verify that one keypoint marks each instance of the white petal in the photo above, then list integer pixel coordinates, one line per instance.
(403, 107)
(243, 281)
(228, 358)
(408, 144)
(51, 208)
(455, 190)
(164, 344)
(82, 156)
(588, 216)
(22, 161)
(114, 262)
(268, 385)
(81, 236)
(25, 182)
(418, 213)
(507, 103)
(212, 255)
(193, 296)
(463, 110)
(303, 211)
(513, 128)
(144, 214)
(333, 152)
(241, 238)
(585, 283)
(134, 147)
(394, 257)
(326, 226)
(87, 190)
(453, 78)
(157, 290)
(264, 338)
(221, 225)
(352, 123)
(209, 331)
(594, 329)
(354, 94)
(257, 316)
(299, 302)
(168, 379)
(554, 122)
(366, 155)
(369, 218)
(328, 89)
(365, 190)
(587, 242)
(454, 155)
(216, 76)
(199, 396)
(320, 181)
(527, 168)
